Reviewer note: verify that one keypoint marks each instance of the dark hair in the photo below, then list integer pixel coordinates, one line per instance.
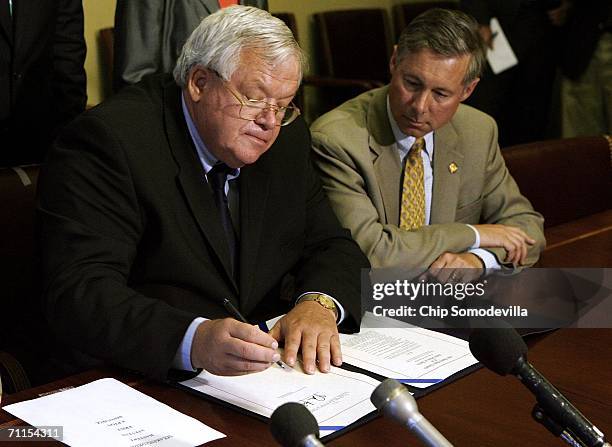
(446, 32)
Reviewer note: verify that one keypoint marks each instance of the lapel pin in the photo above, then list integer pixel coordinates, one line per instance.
(452, 168)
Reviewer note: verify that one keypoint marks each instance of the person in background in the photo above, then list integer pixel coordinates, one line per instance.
(418, 177)
(519, 98)
(177, 194)
(42, 75)
(149, 34)
(586, 65)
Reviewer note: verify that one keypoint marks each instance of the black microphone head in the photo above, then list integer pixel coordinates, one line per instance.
(291, 423)
(498, 349)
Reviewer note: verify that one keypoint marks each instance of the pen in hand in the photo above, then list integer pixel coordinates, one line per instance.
(238, 316)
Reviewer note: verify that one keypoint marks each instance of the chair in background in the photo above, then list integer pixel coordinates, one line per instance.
(569, 181)
(565, 179)
(405, 12)
(28, 349)
(353, 44)
(18, 276)
(326, 85)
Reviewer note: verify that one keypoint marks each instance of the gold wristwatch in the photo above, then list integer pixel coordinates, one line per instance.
(323, 300)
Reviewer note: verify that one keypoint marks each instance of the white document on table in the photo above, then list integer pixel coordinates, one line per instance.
(107, 412)
(336, 399)
(501, 57)
(412, 355)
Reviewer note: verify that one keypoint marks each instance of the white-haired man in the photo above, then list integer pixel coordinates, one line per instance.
(176, 194)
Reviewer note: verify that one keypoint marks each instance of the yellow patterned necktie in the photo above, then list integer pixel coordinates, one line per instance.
(412, 213)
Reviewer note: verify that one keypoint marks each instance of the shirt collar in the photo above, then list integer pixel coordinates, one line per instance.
(207, 159)
(404, 141)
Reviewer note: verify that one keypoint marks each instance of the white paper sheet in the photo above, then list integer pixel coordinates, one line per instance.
(410, 354)
(501, 57)
(107, 412)
(336, 399)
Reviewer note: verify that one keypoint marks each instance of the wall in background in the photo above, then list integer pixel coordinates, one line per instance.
(98, 14)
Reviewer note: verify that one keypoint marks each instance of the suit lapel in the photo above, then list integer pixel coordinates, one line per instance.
(446, 184)
(254, 188)
(385, 157)
(191, 179)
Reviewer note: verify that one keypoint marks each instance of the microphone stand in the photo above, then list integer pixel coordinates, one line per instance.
(557, 430)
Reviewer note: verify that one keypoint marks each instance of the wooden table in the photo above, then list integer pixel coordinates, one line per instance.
(585, 243)
(481, 409)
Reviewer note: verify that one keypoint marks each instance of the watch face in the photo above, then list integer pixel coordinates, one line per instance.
(326, 302)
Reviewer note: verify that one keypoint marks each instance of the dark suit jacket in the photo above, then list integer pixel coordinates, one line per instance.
(133, 247)
(524, 26)
(149, 35)
(42, 79)
(519, 98)
(584, 27)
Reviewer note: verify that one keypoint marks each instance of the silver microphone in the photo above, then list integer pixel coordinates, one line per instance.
(395, 400)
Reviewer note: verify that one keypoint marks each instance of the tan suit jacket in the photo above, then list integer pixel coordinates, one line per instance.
(357, 156)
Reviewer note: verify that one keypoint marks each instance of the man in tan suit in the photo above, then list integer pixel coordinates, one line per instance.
(473, 214)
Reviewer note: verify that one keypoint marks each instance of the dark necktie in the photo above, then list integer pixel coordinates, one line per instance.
(217, 177)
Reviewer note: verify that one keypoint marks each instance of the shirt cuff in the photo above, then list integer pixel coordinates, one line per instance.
(341, 314)
(489, 259)
(477, 234)
(182, 358)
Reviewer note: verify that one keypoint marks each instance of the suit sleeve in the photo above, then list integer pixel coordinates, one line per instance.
(331, 262)
(90, 224)
(68, 61)
(137, 40)
(385, 245)
(504, 204)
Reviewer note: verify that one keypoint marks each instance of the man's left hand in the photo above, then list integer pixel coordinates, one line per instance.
(457, 267)
(312, 328)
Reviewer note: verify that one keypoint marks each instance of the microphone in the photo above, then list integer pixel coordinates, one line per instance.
(292, 425)
(395, 400)
(503, 351)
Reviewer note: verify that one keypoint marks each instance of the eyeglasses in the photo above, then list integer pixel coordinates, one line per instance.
(251, 109)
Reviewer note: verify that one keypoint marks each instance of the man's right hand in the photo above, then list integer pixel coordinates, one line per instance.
(229, 348)
(514, 240)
